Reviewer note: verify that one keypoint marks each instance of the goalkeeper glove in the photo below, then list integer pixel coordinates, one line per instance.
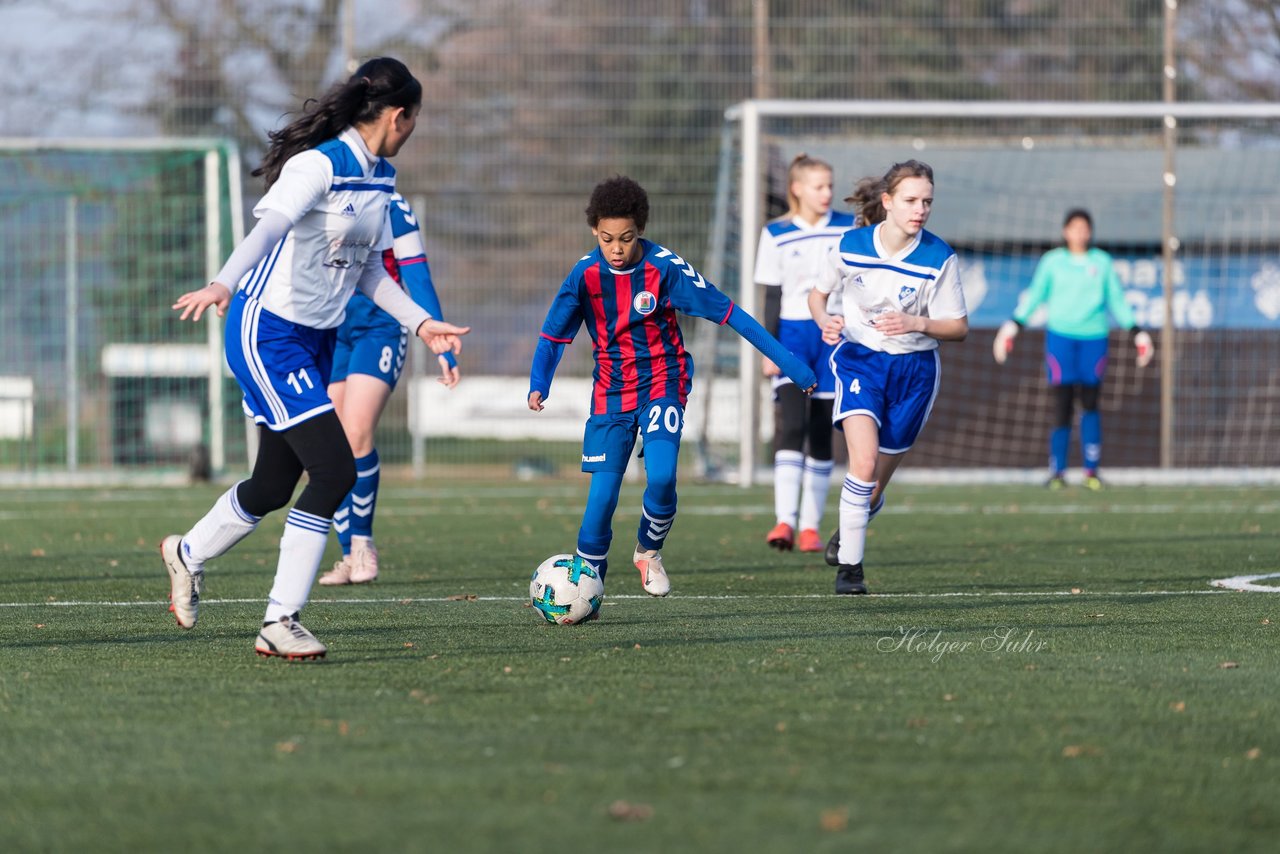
(1003, 344)
(1146, 348)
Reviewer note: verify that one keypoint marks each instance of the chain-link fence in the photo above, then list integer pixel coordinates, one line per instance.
(527, 105)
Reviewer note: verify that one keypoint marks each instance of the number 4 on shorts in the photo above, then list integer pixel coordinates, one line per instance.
(855, 386)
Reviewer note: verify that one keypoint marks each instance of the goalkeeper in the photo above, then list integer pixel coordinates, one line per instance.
(1079, 285)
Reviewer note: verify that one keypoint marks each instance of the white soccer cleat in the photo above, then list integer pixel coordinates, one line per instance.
(184, 585)
(288, 639)
(653, 575)
(339, 575)
(364, 564)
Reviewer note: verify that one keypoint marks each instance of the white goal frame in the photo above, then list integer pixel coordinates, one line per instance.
(749, 113)
(217, 154)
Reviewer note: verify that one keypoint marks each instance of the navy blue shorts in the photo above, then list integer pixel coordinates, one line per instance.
(896, 390)
(609, 439)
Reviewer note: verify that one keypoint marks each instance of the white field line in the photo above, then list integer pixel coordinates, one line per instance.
(436, 600)
(1247, 583)
(691, 508)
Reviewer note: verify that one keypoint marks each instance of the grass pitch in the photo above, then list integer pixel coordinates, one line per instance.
(1036, 672)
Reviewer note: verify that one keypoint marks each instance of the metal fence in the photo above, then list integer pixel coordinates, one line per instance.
(528, 104)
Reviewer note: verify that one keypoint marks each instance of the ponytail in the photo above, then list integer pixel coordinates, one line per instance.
(377, 85)
(866, 198)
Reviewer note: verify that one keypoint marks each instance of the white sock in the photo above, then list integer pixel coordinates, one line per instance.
(788, 471)
(301, 549)
(855, 505)
(813, 498)
(222, 527)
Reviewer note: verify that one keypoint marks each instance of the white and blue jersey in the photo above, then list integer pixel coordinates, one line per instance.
(893, 379)
(792, 255)
(282, 323)
(371, 341)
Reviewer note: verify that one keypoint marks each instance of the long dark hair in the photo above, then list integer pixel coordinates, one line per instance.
(866, 195)
(378, 85)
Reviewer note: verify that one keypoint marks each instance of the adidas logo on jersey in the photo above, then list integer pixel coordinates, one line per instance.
(349, 210)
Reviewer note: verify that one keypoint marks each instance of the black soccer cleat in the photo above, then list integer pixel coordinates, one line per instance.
(832, 553)
(849, 581)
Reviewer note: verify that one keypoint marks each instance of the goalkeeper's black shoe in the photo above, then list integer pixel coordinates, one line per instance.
(849, 581)
(832, 553)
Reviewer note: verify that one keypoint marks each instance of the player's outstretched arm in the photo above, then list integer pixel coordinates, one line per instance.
(194, 303)
(442, 337)
(797, 371)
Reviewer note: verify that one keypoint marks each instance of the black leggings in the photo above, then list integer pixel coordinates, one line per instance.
(802, 417)
(317, 446)
(1064, 397)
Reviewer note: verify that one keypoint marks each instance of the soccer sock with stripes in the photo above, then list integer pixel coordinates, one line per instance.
(813, 497)
(596, 532)
(876, 508)
(364, 495)
(658, 507)
(1091, 439)
(855, 506)
(788, 475)
(301, 548)
(1059, 442)
(226, 524)
(342, 524)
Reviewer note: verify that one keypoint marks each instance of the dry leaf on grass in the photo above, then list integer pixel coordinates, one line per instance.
(627, 811)
(834, 821)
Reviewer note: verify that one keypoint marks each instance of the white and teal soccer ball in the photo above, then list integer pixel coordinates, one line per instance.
(566, 590)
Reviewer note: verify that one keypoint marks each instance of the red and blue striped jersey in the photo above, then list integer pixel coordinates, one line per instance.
(631, 318)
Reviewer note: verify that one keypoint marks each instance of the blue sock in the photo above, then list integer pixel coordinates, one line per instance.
(342, 524)
(1059, 441)
(659, 507)
(364, 495)
(1091, 439)
(596, 532)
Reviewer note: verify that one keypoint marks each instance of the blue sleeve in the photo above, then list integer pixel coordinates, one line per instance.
(692, 294)
(797, 371)
(564, 318)
(415, 275)
(411, 259)
(546, 358)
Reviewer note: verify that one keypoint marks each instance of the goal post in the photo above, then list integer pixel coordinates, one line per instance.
(1006, 172)
(102, 234)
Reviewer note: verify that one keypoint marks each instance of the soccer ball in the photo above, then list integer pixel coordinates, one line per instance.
(566, 590)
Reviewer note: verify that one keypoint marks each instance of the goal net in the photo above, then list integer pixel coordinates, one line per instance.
(1005, 174)
(97, 375)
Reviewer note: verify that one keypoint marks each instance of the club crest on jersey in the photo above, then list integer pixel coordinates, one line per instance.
(645, 303)
(906, 296)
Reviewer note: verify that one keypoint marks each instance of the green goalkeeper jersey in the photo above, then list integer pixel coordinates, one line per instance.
(1079, 290)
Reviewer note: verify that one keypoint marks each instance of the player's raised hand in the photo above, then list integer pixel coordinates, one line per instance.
(1003, 345)
(442, 337)
(450, 376)
(535, 401)
(1146, 348)
(194, 303)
